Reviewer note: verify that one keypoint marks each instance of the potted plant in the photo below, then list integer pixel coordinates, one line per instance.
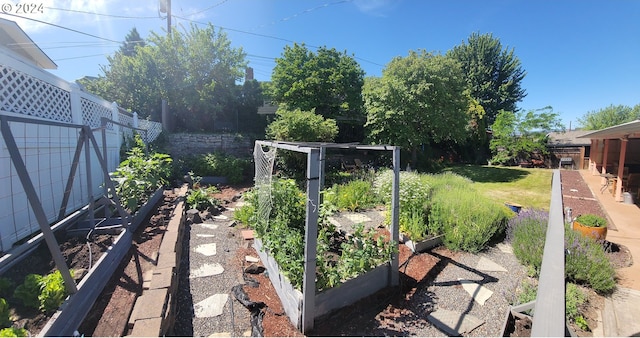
(591, 225)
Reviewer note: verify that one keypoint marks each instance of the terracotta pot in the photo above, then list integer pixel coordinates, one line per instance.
(593, 232)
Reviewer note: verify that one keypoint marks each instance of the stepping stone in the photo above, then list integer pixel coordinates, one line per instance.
(231, 209)
(485, 264)
(357, 218)
(210, 226)
(251, 259)
(221, 334)
(478, 292)
(453, 323)
(504, 247)
(240, 204)
(205, 235)
(206, 249)
(221, 217)
(247, 234)
(207, 270)
(334, 221)
(212, 306)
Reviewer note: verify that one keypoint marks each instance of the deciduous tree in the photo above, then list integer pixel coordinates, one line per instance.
(328, 81)
(609, 116)
(420, 99)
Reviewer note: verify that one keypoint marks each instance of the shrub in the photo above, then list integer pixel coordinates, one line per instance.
(586, 262)
(467, 219)
(574, 298)
(527, 232)
(354, 195)
(216, 164)
(413, 197)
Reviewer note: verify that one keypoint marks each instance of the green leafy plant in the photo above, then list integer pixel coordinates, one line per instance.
(574, 299)
(45, 293)
(140, 175)
(5, 320)
(592, 220)
(582, 323)
(29, 290)
(53, 292)
(200, 198)
(352, 196)
(14, 332)
(216, 164)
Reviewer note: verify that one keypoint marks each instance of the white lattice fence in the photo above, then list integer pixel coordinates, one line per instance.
(25, 94)
(153, 129)
(93, 111)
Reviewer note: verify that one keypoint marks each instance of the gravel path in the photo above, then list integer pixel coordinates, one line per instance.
(447, 293)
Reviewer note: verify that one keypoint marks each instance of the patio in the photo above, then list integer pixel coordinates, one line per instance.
(625, 219)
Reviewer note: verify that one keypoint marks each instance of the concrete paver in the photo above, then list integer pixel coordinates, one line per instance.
(478, 292)
(209, 249)
(212, 306)
(207, 270)
(485, 264)
(452, 322)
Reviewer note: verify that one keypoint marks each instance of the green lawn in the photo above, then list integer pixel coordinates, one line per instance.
(526, 186)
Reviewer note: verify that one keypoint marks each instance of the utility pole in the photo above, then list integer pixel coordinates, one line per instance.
(165, 7)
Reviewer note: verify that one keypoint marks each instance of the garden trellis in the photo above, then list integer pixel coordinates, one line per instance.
(304, 311)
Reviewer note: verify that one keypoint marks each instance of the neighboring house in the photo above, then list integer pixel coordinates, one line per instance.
(15, 42)
(569, 145)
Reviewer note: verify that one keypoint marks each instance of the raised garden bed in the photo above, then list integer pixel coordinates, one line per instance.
(423, 245)
(328, 300)
(106, 254)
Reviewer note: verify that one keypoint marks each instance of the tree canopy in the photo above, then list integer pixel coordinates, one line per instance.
(420, 99)
(328, 81)
(195, 71)
(609, 117)
(493, 73)
(519, 135)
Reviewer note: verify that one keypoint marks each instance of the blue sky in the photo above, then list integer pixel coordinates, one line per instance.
(579, 56)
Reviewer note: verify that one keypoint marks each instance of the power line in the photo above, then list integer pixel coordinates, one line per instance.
(102, 14)
(208, 8)
(80, 57)
(61, 27)
(306, 11)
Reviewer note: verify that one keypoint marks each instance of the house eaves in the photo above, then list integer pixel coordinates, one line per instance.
(14, 39)
(621, 131)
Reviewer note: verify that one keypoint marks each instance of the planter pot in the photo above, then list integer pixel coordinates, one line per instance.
(597, 233)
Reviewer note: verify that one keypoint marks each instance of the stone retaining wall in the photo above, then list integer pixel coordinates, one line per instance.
(180, 144)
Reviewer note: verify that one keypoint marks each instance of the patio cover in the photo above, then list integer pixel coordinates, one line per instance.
(623, 132)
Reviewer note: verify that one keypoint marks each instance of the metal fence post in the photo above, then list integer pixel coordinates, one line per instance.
(311, 240)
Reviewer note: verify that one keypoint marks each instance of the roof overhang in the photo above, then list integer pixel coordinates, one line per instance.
(16, 40)
(621, 131)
